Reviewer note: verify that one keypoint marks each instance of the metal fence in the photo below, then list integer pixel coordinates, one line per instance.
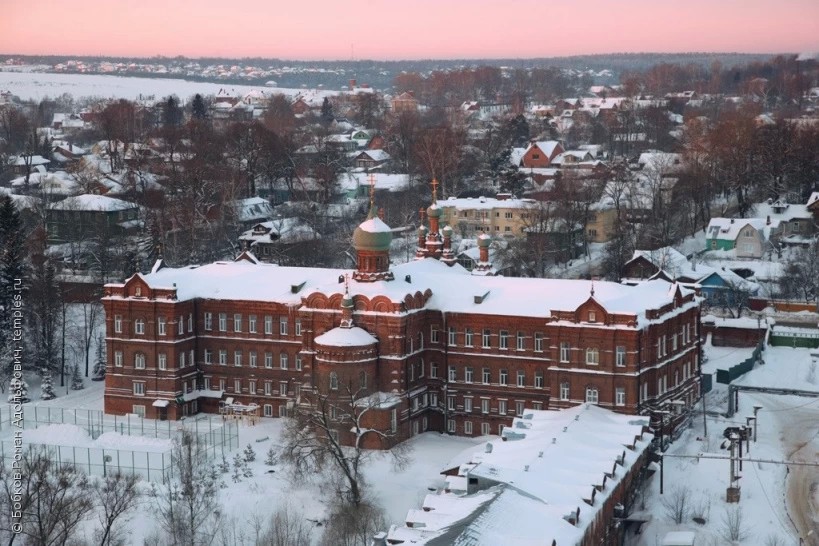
(726, 376)
(216, 436)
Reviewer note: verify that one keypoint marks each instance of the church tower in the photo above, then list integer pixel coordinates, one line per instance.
(371, 240)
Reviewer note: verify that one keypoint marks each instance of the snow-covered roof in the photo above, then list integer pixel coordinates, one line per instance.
(729, 228)
(375, 155)
(286, 230)
(346, 337)
(544, 469)
(92, 202)
(548, 147)
(486, 203)
(383, 181)
(375, 225)
(453, 288)
(21, 161)
(782, 211)
(813, 200)
(252, 208)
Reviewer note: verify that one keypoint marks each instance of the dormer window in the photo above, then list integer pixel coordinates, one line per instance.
(592, 316)
(138, 291)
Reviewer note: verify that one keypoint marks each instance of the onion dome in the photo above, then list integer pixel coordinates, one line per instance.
(447, 232)
(422, 230)
(433, 211)
(484, 240)
(372, 234)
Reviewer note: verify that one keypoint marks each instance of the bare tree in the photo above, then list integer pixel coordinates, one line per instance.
(733, 529)
(677, 505)
(285, 527)
(351, 525)
(115, 495)
(313, 438)
(187, 506)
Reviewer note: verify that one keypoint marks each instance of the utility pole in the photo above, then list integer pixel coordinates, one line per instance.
(756, 419)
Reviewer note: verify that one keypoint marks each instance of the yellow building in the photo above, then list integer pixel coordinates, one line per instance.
(499, 217)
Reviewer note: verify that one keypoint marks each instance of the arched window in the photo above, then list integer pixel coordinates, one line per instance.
(333, 381)
(139, 361)
(564, 390)
(592, 395)
(139, 326)
(362, 380)
(420, 340)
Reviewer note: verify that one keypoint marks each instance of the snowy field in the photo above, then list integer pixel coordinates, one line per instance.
(36, 86)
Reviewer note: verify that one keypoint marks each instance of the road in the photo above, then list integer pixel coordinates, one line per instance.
(800, 438)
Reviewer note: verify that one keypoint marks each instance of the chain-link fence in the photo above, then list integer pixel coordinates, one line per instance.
(152, 462)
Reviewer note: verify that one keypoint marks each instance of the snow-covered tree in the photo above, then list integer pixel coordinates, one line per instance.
(99, 364)
(47, 386)
(76, 379)
(250, 454)
(16, 385)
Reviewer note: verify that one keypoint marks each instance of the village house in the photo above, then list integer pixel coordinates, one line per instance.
(86, 216)
(273, 241)
(443, 348)
(405, 102)
(745, 237)
(540, 154)
(370, 159)
(795, 221)
(501, 216)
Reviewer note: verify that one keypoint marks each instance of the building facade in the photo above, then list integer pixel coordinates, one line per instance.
(445, 349)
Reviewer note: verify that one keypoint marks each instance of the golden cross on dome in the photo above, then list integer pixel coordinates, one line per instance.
(371, 178)
(434, 190)
(346, 283)
(421, 213)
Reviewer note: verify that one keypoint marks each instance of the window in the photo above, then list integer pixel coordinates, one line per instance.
(118, 359)
(268, 388)
(223, 322)
(182, 359)
(268, 325)
(208, 321)
(421, 368)
(521, 378)
(521, 341)
(673, 342)
(139, 361)
(644, 392)
(450, 425)
(591, 395)
(298, 362)
(180, 326)
(486, 375)
(468, 374)
(333, 381)
(468, 337)
(467, 404)
(160, 326)
(538, 342)
(283, 361)
(433, 399)
(237, 386)
(118, 324)
(268, 410)
(362, 380)
(190, 322)
(297, 327)
(138, 291)
(394, 420)
(620, 356)
(207, 383)
(433, 370)
(537, 405)
(222, 385)
(486, 336)
(138, 410)
(502, 407)
(283, 326)
(252, 386)
(663, 345)
(485, 430)
(592, 356)
(450, 403)
(139, 327)
(620, 396)
(467, 427)
(282, 388)
(222, 357)
(538, 379)
(519, 406)
(252, 359)
(452, 373)
(139, 388)
(251, 324)
(268, 360)
(208, 356)
(162, 361)
(504, 377)
(564, 390)
(237, 322)
(451, 333)
(564, 351)
(237, 358)
(484, 405)
(503, 342)
(433, 335)
(659, 385)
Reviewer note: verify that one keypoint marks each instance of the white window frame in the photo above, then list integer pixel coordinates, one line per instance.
(160, 326)
(251, 324)
(538, 342)
(282, 326)
(565, 351)
(118, 359)
(237, 322)
(208, 321)
(237, 359)
(139, 388)
(268, 325)
(565, 390)
(620, 355)
(592, 395)
(223, 322)
(283, 361)
(117, 324)
(252, 359)
(139, 327)
(162, 361)
(503, 340)
(592, 356)
(619, 396)
(521, 378)
(139, 361)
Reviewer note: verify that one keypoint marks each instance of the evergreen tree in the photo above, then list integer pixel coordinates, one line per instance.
(76, 378)
(250, 455)
(270, 460)
(327, 114)
(47, 387)
(198, 109)
(13, 276)
(98, 373)
(171, 112)
(16, 384)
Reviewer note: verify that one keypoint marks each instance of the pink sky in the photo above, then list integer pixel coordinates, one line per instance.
(404, 29)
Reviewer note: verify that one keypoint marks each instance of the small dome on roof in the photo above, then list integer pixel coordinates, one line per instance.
(422, 229)
(372, 234)
(433, 211)
(484, 240)
(447, 231)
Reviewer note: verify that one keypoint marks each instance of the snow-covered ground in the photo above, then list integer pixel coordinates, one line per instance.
(776, 501)
(36, 86)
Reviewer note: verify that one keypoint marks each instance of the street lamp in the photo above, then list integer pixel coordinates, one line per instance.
(756, 419)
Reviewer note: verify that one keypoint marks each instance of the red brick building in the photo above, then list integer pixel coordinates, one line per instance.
(445, 349)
